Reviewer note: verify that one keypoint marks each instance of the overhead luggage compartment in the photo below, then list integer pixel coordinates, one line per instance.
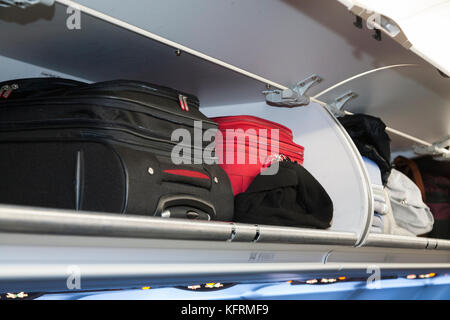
(329, 155)
(46, 41)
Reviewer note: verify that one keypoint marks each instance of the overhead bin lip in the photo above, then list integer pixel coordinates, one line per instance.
(397, 241)
(66, 222)
(279, 233)
(395, 267)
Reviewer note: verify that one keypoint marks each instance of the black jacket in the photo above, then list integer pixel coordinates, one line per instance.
(292, 197)
(370, 137)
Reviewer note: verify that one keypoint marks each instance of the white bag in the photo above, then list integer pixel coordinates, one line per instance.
(408, 208)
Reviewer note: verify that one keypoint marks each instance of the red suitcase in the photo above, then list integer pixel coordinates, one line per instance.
(248, 144)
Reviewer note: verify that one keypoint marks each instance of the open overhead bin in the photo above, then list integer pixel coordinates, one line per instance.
(320, 133)
(39, 36)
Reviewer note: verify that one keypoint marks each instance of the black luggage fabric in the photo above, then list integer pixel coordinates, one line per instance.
(370, 137)
(292, 197)
(106, 147)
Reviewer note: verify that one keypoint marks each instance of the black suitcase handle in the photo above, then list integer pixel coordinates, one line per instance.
(185, 206)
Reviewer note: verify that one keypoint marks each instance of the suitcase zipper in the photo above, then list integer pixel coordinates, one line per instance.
(183, 102)
(88, 132)
(142, 87)
(67, 124)
(120, 85)
(38, 102)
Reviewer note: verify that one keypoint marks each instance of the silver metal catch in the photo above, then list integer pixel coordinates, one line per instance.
(337, 106)
(439, 150)
(295, 97)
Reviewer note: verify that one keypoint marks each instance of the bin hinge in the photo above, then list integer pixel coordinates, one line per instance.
(336, 107)
(439, 150)
(25, 3)
(295, 97)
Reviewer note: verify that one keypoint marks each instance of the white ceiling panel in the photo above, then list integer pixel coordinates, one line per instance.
(282, 40)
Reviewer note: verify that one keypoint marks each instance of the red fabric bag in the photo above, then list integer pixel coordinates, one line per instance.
(248, 144)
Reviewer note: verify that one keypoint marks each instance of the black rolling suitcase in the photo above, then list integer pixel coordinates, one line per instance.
(107, 147)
